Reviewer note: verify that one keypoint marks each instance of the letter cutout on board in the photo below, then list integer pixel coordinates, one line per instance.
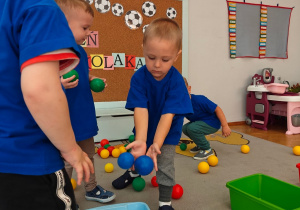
(130, 62)
(97, 61)
(139, 62)
(108, 63)
(119, 59)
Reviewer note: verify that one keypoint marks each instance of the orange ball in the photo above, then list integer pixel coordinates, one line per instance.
(74, 183)
(104, 153)
(116, 153)
(212, 160)
(203, 167)
(245, 149)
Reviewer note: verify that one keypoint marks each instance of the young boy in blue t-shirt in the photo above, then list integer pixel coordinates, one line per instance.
(207, 119)
(160, 100)
(80, 17)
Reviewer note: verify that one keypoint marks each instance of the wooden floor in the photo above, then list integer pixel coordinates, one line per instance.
(275, 133)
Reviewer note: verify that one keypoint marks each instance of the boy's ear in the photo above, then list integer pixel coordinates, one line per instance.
(179, 52)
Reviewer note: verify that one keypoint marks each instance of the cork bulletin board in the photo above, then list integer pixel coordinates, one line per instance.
(115, 45)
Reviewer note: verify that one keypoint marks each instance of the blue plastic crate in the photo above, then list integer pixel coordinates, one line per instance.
(124, 206)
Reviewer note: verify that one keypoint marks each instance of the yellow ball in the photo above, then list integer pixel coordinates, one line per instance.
(122, 149)
(104, 153)
(245, 149)
(74, 184)
(212, 160)
(296, 150)
(109, 167)
(116, 152)
(203, 167)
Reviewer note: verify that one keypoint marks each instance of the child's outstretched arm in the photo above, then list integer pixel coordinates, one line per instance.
(162, 131)
(225, 127)
(141, 127)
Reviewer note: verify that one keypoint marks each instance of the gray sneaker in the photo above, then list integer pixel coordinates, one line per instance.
(195, 149)
(203, 154)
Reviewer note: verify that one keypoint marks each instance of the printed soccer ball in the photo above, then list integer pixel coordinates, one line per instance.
(171, 13)
(102, 6)
(149, 9)
(133, 19)
(144, 28)
(117, 9)
(89, 1)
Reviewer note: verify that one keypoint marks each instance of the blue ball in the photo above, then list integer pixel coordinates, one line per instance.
(125, 160)
(144, 165)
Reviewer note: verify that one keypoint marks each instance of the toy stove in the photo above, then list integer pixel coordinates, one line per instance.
(266, 98)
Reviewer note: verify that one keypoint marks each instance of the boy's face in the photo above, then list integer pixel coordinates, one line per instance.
(80, 23)
(160, 54)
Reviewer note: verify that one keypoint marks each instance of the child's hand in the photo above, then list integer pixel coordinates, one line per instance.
(152, 152)
(226, 131)
(138, 148)
(91, 77)
(67, 84)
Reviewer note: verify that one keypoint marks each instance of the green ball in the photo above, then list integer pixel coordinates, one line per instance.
(183, 146)
(125, 145)
(131, 138)
(97, 85)
(70, 74)
(138, 184)
(106, 146)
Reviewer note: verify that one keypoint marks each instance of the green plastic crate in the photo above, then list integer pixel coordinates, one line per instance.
(262, 192)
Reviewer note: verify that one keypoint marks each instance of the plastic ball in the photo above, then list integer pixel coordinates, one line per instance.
(104, 153)
(177, 191)
(99, 150)
(144, 165)
(109, 167)
(212, 160)
(153, 182)
(183, 146)
(125, 145)
(70, 74)
(110, 149)
(97, 85)
(245, 149)
(103, 142)
(122, 149)
(296, 150)
(125, 160)
(131, 138)
(203, 167)
(106, 146)
(138, 184)
(116, 152)
(74, 183)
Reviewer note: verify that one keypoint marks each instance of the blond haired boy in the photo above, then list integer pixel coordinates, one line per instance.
(160, 100)
(80, 17)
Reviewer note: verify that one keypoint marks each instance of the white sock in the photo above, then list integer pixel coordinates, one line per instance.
(164, 203)
(132, 174)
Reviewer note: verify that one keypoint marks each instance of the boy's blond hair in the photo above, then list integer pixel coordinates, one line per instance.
(67, 5)
(164, 28)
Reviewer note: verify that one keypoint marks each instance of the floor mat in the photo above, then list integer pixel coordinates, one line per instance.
(233, 139)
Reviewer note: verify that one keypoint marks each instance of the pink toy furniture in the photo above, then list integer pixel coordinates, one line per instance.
(265, 99)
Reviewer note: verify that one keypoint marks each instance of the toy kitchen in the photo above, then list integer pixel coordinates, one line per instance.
(268, 96)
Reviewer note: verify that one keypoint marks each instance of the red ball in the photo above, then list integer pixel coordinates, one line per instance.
(153, 182)
(110, 149)
(103, 142)
(99, 150)
(177, 191)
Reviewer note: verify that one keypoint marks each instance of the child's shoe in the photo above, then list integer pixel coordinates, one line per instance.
(203, 154)
(195, 149)
(165, 207)
(99, 194)
(124, 180)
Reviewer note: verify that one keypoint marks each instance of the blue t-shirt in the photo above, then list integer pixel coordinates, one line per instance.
(169, 95)
(81, 103)
(204, 110)
(29, 28)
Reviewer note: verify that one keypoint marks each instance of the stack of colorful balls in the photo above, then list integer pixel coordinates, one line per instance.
(107, 150)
